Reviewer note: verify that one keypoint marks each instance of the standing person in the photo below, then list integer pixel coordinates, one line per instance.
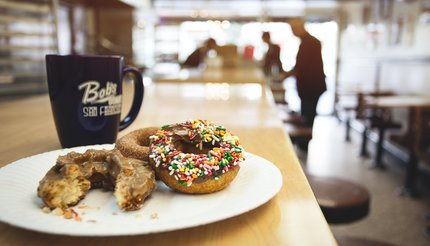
(309, 71)
(197, 56)
(272, 62)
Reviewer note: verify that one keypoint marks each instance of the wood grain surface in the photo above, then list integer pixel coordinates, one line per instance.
(292, 217)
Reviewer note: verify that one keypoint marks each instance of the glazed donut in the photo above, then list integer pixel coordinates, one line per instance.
(74, 174)
(136, 143)
(196, 156)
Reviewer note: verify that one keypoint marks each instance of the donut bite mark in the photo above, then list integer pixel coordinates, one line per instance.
(196, 156)
(74, 174)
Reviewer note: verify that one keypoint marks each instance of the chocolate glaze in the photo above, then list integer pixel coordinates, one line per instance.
(183, 142)
(181, 139)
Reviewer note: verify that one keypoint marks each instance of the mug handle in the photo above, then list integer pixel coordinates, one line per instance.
(137, 98)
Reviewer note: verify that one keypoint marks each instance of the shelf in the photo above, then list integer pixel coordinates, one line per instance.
(10, 19)
(6, 78)
(26, 47)
(27, 32)
(16, 60)
(22, 74)
(4, 33)
(26, 6)
(30, 87)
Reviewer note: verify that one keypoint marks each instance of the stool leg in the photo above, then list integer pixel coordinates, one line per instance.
(348, 130)
(427, 232)
(363, 151)
(380, 150)
(409, 188)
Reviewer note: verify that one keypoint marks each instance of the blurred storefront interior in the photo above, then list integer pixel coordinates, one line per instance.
(370, 49)
(366, 44)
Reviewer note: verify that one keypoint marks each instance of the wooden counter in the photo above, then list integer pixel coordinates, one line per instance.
(292, 217)
(231, 75)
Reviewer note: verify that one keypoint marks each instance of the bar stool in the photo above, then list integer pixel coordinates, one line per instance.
(299, 135)
(294, 119)
(354, 241)
(342, 201)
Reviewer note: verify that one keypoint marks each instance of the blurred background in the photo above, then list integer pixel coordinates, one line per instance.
(369, 48)
(359, 38)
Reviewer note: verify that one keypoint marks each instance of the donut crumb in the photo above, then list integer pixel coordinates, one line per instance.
(58, 212)
(153, 216)
(46, 210)
(82, 206)
(68, 214)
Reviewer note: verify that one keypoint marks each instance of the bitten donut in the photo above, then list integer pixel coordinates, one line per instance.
(196, 156)
(136, 143)
(74, 174)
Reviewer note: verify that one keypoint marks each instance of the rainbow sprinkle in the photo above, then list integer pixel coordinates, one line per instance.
(225, 154)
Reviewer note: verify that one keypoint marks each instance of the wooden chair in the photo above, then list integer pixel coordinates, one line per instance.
(379, 119)
(382, 124)
(357, 110)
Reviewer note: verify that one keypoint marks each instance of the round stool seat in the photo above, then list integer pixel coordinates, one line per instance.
(295, 119)
(301, 132)
(341, 201)
(356, 241)
(299, 135)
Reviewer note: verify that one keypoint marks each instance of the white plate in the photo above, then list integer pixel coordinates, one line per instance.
(257, 182)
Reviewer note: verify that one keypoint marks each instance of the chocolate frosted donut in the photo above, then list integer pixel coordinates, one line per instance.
(74, 174)
(136, 143)
(196, 156)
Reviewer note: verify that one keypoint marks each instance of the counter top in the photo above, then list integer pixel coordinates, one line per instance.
(231, 75)
(292, 217)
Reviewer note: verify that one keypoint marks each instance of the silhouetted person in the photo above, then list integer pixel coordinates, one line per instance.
(308, 71)
(272, 61)
(198, 55)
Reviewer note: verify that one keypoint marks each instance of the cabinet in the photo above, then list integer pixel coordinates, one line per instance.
(27, 33)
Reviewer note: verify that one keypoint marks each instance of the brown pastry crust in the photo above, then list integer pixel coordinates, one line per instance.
(74, 174)
(136, 143)
(200, 185)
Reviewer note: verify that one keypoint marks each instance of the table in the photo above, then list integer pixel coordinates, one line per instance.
(356, 106)
(415, 104)
(292, 217)
(232, 75)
